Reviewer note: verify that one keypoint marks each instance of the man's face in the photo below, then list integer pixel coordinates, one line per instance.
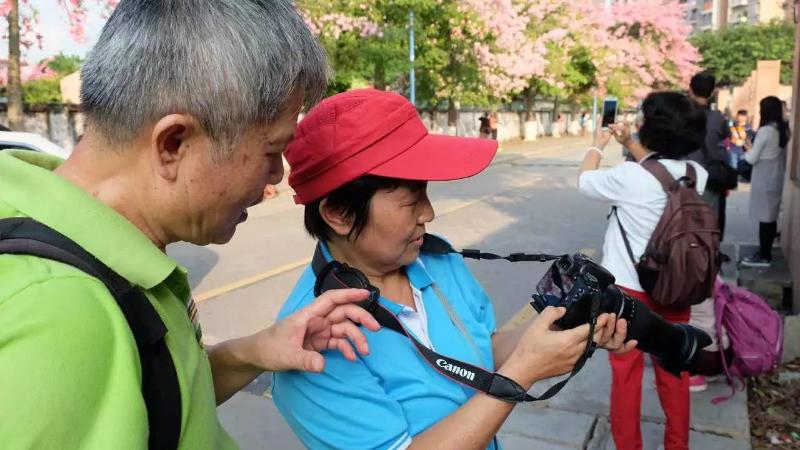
(218, 193)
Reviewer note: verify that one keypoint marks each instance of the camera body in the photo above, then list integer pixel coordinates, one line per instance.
(571, 283)
(578, 284)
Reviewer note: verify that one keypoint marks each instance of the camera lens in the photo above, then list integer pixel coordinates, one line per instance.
(676, 346)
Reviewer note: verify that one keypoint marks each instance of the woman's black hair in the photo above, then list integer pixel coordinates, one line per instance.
(772, 112)
(352, 200)
(673, 126)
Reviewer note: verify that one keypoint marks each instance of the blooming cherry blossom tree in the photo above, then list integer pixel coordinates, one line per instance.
(22, 18)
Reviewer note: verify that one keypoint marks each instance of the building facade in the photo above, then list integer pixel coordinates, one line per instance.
(706, 15)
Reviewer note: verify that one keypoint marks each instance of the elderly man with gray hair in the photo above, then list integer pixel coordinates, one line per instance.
(189, 105)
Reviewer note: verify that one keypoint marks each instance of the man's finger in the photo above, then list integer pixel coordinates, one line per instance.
(344, 347)
(353, 313)
(348, 330)
(326, 302)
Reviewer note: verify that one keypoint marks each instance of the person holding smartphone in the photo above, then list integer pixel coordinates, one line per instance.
(672, 127)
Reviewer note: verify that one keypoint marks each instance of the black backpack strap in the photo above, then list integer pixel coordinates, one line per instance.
(615, 213)
(160, 387)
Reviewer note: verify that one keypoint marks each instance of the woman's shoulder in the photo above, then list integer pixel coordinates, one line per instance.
(768, 129)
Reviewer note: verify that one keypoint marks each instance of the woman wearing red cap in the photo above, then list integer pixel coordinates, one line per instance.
(360, 163)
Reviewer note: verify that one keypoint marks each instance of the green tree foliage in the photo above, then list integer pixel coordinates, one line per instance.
(47, 90)
(65, 64)
(731, 55)
(42, 91)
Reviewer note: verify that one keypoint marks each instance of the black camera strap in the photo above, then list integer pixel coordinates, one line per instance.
(435, 244)
(475, 377)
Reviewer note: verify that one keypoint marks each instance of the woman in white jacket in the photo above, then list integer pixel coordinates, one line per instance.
(768, 157)
(672, 126)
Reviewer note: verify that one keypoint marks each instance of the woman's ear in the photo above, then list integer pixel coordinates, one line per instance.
(336, 219)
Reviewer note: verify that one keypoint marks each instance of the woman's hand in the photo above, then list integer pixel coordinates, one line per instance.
(544, 350)
(601, 138)
(622, 133)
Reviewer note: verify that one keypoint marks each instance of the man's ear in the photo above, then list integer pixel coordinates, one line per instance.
(336, 219)
(170, 142)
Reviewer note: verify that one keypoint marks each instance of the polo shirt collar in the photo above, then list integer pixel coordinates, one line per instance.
(28, 185)
(417, 275)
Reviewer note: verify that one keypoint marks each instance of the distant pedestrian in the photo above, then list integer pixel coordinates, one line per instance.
(742, 136)
(485, 129)
(768, 158)
(557, 126)
(712, 154)
(493, 125)
(584, 123)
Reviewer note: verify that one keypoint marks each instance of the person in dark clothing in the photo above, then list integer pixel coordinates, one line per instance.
(485, 129)
(701, 89)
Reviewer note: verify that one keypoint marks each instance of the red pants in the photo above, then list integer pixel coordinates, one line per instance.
(626, 391)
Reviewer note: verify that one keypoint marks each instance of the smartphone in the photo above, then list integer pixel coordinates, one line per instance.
(609, 112)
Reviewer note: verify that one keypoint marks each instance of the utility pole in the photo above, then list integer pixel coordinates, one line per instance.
(411, 76)
(607, 4)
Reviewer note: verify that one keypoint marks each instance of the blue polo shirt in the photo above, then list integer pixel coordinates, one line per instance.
(384, 399)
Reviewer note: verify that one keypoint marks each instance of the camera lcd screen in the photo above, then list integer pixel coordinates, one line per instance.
(609, 112)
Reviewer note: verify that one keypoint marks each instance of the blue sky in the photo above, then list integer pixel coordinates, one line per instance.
(54, 25)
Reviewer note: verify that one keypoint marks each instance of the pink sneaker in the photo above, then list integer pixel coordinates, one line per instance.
(697, 383)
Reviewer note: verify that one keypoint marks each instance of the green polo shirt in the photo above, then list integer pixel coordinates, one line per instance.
(69, 369)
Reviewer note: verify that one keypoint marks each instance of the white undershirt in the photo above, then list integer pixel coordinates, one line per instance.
(416, 321)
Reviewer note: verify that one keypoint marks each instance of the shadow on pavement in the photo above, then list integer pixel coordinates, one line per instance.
(196, 259)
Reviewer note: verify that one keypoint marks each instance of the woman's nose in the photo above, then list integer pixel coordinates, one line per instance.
(427, 213)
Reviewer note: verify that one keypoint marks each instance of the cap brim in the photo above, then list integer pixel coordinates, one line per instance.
(440, 158)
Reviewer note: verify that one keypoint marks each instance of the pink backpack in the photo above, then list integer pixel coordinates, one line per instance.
(755, 331)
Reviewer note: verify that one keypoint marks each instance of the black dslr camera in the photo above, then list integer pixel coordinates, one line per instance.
(586, 290)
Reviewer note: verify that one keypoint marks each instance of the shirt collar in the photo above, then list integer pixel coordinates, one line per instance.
(649, 155)
(28, 185)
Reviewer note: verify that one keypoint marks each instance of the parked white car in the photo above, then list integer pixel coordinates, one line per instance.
(30, 141)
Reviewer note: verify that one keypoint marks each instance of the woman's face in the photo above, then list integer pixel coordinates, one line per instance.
(393, 233)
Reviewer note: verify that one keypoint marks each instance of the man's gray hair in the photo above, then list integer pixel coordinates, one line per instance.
(229, 63)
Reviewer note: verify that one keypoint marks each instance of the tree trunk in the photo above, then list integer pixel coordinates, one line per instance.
(556, 108)
(452, 117)
(15, 119)
(529, 101)
(379, 76)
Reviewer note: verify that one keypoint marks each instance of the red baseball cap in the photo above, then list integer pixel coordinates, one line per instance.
(366, 131)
